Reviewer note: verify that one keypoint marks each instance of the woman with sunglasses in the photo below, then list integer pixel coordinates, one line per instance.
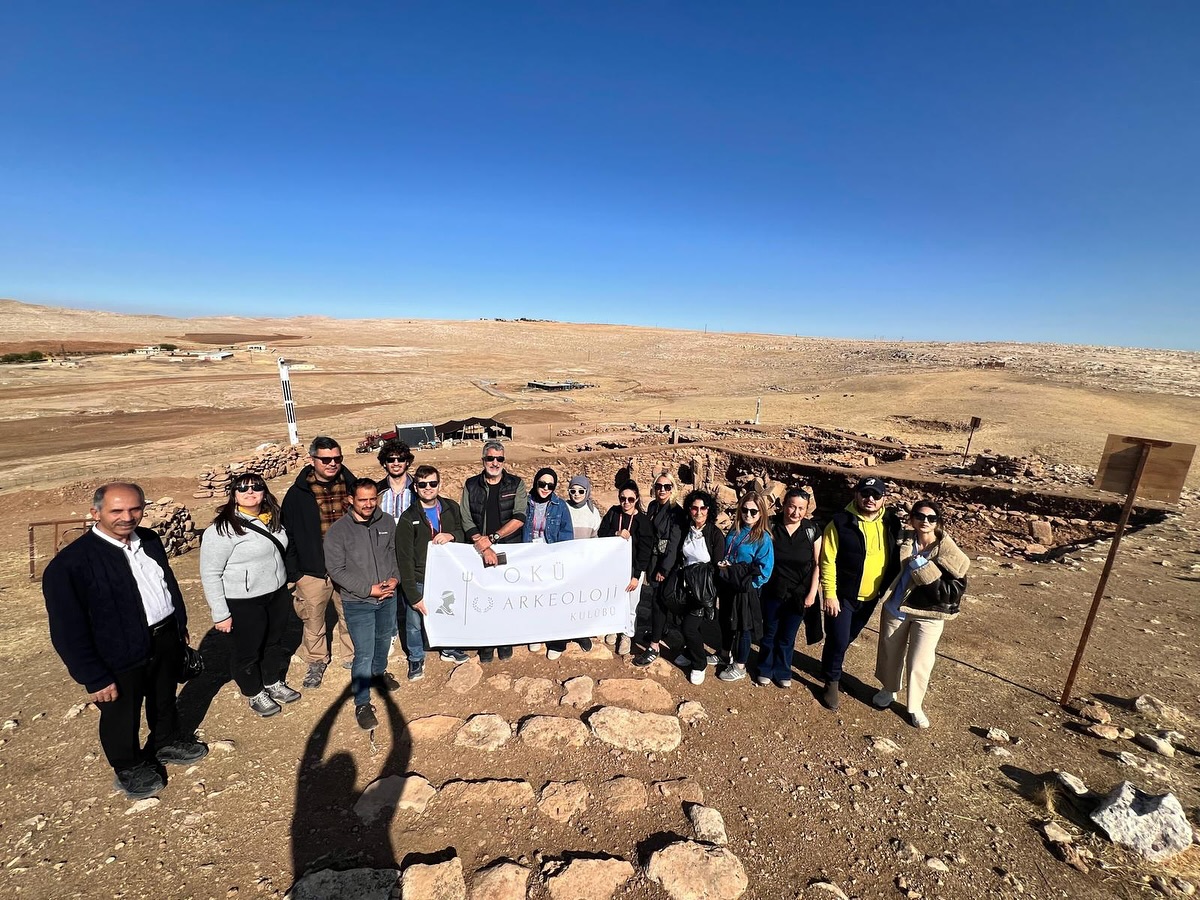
(924, 597)
(585, 515)
(667, 518)
(792, 589)
(694, 581)
(548, 521)
(626, 520)
(244, 578)
(746, 566)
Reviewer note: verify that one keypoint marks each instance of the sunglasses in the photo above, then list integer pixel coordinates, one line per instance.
(427, 484)
(548, 485)
(328, 460)
(870, 495)
(579, 491)
(664, 487)
(697, 508)
(747, 511)
(629, 499)
(924, 517)
(493, 459)
(398, 459)
(250, 486)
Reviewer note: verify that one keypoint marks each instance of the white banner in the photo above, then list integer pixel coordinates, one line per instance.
(542, 592)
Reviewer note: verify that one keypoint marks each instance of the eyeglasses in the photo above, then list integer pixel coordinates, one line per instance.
(749, 512)
(629, 499)
(664, 487)
(328, 460)
(696, 509)
(924, 517)
(493, 459)
(398, 459)
(579, 491)
(548, 485)
(250, 486)
(870, 495)
(427, 484)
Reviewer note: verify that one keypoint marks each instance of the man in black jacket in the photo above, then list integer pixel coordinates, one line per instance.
(315, 501)
(494, 505)
(118, 621)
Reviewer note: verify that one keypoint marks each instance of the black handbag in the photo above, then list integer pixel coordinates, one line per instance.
(191, 664)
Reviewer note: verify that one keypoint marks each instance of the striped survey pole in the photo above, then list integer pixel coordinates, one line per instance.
(289, 407)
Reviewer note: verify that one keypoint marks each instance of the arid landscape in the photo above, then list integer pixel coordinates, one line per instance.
(816, 804)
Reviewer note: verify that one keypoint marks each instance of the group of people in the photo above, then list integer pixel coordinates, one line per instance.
(118, 620)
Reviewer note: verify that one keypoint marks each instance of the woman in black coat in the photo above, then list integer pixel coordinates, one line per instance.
(690, 593)
(627, 520)
(790, 596)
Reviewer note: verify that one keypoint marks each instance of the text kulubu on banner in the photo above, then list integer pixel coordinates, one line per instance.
(543, 592)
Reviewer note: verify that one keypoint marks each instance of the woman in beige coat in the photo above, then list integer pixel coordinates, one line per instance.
(925, 595)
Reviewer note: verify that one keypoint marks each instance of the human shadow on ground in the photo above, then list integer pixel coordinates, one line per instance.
(326, 832)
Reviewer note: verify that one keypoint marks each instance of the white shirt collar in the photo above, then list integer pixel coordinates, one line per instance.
(134, 541)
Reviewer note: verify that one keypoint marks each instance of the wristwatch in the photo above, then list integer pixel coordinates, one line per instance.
(494, 537)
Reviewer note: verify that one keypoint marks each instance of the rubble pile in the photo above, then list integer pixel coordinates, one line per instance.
(174, 524)
(268, 460)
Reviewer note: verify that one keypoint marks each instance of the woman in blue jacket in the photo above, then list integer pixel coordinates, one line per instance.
(748, 563)
(548, 521)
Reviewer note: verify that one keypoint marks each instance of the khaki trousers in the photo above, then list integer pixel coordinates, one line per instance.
(313, 595)
(907, 650)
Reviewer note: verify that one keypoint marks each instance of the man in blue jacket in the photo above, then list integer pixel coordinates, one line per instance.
(118, 621)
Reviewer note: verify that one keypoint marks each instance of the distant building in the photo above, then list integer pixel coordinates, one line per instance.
(147, 351)
(216, 354)
(259, 347)
(558, 385)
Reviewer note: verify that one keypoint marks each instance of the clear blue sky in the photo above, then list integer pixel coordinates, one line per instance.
(951, 170)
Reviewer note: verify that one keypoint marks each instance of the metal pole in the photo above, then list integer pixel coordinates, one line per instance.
(289, 407)
(1143, 455)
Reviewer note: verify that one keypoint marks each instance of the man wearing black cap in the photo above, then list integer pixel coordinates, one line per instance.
(859, 559)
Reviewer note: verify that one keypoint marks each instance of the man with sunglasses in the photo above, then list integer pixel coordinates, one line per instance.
(429, 519)
(494, 504)
(396, 486)
(316, 500)
(859, 559)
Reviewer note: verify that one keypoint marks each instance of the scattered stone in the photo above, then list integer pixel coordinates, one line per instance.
(360, 884)
(501, 880)
(882, 744)
(10, 725)
(690, 712)
(537, 691)
(638, 731)
(1155, 744)
(682, 789)
(661, 668)
(561, 800)
(1072, 783)
(1042, 533)
(399, 792)
(691, 871)
(1107, 732)
(1129, 759)
(1071, 855)
(142, 805)
(708, 824)
(998, 735)
(75, 711)
(434, 881)
(598, 651)
(1153, 826)
(433, 728)
(1149, 705)
(906, 851)
(488, 791)
(623, 794)
(577, 692)
(552, 732)
(485, 731)
(830, 888)
(1094, 712)
(464, 677)
(224, 745)
(585, 879)
(937, 864)
(643, 694)
(998, 751)
(1056, 834)
(501, 682)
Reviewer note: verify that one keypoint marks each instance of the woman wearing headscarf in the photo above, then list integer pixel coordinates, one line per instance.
(924, 597)
(585, 515)
(548, 521)
(627, 520)
(790, 595)
(747, 565)
(667, 518)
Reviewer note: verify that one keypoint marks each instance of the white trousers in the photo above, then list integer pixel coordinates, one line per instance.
(907, 650)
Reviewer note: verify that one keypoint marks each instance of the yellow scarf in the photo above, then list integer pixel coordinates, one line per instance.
(264, 516)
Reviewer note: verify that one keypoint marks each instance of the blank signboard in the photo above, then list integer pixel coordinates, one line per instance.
(1163, 477)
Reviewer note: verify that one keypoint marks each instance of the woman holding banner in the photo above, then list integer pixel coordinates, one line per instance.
(627, 520)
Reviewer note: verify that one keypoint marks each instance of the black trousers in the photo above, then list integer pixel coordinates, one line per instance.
(696, 631)
(153, 683)
(259, 656)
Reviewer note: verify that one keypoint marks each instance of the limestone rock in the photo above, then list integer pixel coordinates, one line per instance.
(598, 651)
(502, 880)
(643, 694)
(465, 676)
(577, 692)
(435, 881)
(142, 805)
(348, 884)
(1153, 826)
(708, 824)
(1149, 705)
(561, 800)
(488, 792)
(882, 744)
(682, 789)
(537, 691)
(552, 732)
(637, 731)
(1072, 783)
(501, 682)
(998, 735)
(690, 712)
(433, 728)
(661, 668)
(828, 888)
(585, 879)
(400, 792)
(1055, 833)
(483, 732)
(691, 871)
(1107, 732)
(1155, 744)
(1094, 712)
(1041, 532)
(623, 794)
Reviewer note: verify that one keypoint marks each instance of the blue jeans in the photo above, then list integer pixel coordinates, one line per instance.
(414, 635)
(840, 632)
(781, 623)
(371, 626)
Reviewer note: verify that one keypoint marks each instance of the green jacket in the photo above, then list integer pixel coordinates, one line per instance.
(413, 535)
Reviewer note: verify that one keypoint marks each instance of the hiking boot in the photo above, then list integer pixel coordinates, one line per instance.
(281, 693)
(585, 644)
(316, 671)
(732, 673)
(486, 656)
(504, 652)
(416, 670)
(646, 657)
(830, 695)
(386, 681)
(453, 656)
(181, 752)
(264, 705)
(883, 699)
(364, 715)
(138, 783)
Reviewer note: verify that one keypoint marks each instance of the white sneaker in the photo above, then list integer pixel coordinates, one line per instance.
(883, 699)
(624, 645)
(919, 719)
(553, 654)
(535, 648)
(696, 676)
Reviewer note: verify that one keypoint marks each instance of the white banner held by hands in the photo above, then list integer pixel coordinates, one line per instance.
(543, 592)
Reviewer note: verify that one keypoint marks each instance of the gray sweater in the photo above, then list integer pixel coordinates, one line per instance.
(234, 566)
(361, 554)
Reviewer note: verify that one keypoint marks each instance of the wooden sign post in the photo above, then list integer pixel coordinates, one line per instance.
(1159, 468)
(975, 423)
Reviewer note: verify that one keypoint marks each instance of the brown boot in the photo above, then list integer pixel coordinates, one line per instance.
(830, 696)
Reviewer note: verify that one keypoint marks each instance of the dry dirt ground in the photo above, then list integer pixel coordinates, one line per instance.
(804, 796)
